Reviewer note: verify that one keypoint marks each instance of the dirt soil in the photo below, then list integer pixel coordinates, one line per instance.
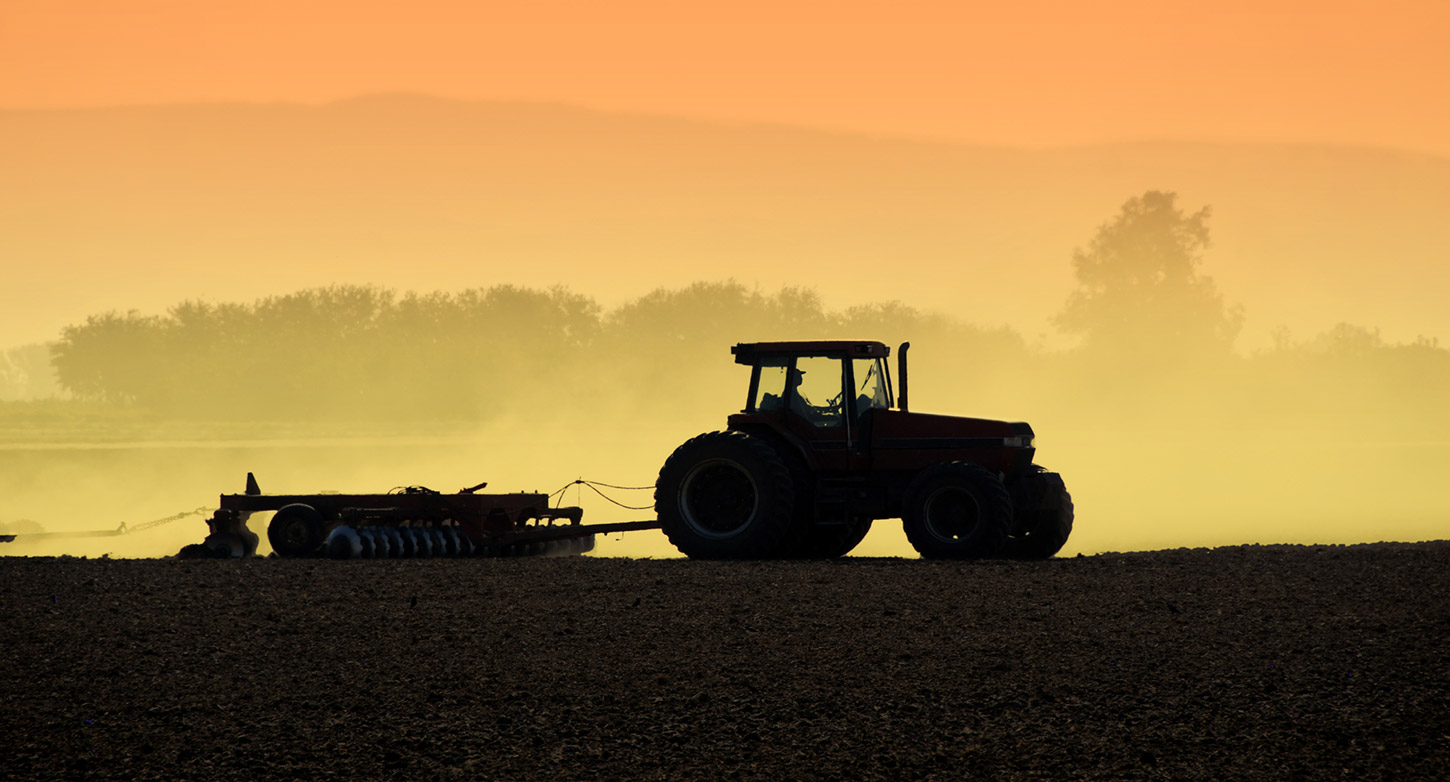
(1272, 662)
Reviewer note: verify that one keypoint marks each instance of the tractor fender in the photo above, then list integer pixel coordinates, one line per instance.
(788, 445)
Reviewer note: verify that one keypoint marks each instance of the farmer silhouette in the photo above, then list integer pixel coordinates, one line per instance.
(793, 399)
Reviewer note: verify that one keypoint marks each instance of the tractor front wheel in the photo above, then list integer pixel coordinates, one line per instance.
(1043, 512)
(727, 495)
(957, 510)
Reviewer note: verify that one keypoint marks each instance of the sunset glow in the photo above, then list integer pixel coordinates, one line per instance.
(929, 171)
(1042, 72)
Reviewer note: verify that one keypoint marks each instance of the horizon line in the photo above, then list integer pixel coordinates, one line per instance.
(729, 122)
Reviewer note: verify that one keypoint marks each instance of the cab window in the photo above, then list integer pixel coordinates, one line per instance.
(814, 390)
(770, 391)
(871, 388)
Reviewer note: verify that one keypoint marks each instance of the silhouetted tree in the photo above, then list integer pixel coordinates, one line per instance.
(1139, 285)
(112, 357)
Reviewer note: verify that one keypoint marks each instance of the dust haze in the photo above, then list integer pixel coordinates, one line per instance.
(1214, 344)
(1331, 440)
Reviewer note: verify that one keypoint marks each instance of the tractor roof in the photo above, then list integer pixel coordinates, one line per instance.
(746, 352)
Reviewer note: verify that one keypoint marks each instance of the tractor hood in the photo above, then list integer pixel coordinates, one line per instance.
(891, 424)
(906, 440)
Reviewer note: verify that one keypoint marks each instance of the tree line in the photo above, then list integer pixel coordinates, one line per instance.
(1156, 339)
(347, 351)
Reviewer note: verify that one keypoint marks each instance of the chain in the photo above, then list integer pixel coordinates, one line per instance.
(124, 529)
(145, 525)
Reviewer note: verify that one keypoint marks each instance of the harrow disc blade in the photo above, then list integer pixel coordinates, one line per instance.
(343, 543)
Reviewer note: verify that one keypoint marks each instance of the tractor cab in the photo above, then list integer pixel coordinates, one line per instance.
(825, 384)
(817, 396)
(833, 402)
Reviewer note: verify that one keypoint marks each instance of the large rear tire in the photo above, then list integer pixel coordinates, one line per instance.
(957, 510)
(1043, 515)
(727, 495)
(296, 530)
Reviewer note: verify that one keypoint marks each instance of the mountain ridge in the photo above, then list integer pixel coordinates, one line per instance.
(393, 99)
(232, 201)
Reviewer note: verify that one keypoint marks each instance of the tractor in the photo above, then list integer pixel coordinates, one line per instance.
(823, 448)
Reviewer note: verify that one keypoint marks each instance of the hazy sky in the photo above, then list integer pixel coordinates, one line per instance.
(103, 217)
(1032, 72)
(115, 210)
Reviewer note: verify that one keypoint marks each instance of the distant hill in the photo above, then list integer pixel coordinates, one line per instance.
(139, 207)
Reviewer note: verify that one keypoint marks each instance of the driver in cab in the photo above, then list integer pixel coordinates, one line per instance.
(797, 403)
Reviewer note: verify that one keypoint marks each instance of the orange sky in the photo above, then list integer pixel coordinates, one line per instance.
(1039, 72)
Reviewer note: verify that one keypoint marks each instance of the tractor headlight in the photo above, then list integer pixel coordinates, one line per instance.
(1018, 442)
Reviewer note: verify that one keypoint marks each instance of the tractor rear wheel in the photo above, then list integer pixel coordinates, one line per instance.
(1043, 513)
(957, 510)
(727, 495)
(295, 531)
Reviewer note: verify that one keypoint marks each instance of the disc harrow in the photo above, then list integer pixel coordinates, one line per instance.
(388, 542)
(411, 522)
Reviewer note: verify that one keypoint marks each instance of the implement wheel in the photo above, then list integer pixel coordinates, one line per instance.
(957, 510)
(295, 531)
(727, 495)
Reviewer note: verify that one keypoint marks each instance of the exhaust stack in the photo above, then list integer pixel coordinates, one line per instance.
(901, 370)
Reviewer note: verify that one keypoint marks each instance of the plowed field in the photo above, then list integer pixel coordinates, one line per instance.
(1275, 662)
